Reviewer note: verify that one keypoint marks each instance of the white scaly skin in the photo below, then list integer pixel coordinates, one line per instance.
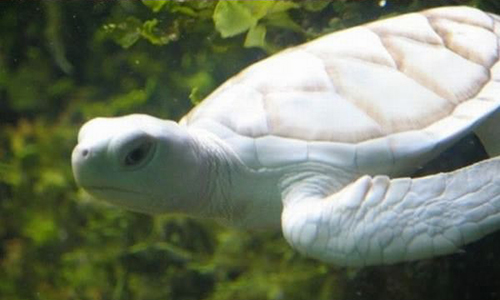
(236, 195)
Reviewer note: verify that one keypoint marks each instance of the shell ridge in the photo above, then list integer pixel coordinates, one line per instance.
(367, 59)
(266, 114)
(399, 63)
(352, 101)
(494, 18)
(496, 31)
(429, 14)
(379, 36)
(496, 27)
(382, 35)
(256, 153)
(445, 42)
(437, 90)
(460, 21)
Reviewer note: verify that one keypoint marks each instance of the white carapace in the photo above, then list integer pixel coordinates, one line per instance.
(322, 139)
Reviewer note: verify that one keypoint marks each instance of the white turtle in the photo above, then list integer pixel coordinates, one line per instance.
(321, 139)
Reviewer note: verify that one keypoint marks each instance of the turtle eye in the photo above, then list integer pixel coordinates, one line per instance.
(138, 154)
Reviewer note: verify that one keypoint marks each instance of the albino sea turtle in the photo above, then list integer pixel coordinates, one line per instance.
(322, 139)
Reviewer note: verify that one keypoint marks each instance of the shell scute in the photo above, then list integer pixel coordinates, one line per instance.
(358, 42)
(336, 154)
(413, 26)
(273, 151)
(376, 148)
(410, 147)
(437, 69)
(384, 96)
(462, 14)
(459, 36)
(313, 120)
(290, 71)
(490, 92)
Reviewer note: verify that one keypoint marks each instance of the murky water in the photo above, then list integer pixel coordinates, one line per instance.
(63, 63)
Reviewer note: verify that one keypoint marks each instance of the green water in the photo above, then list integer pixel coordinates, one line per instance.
(65, 62)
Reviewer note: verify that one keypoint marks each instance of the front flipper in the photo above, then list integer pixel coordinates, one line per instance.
(380, 220)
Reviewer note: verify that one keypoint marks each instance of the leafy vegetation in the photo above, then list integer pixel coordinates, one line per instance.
(64, 62)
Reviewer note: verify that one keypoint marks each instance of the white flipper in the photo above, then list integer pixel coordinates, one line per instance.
(380, 220)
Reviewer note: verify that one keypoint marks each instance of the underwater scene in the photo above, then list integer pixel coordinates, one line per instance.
(360, 166)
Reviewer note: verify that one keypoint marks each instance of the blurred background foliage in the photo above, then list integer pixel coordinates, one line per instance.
(64, 62)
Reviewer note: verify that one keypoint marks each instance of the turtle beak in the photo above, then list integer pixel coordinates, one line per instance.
(88, 162)
(88, 157)
(78, 159)
(82, 165)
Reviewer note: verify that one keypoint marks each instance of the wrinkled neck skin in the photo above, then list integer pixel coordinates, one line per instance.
(217, 169)
(232, 193)
(239, 196)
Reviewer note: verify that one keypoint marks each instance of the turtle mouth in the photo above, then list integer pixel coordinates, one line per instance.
(113, 194)
(128, 199)
(105, 189)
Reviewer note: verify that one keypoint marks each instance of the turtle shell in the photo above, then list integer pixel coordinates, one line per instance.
(376, 98)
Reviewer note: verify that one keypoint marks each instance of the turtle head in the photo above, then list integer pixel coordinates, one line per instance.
(138, 162)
